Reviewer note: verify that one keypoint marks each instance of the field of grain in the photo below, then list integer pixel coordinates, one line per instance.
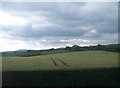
(72, 68)
(71, 60)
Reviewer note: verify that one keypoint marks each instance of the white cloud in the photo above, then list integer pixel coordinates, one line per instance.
(11, 45)
(8, 43)
(10, 20)
(91, 33)
(76, 41)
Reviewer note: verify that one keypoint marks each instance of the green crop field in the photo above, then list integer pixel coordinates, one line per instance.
(71, 60)
(71, 68)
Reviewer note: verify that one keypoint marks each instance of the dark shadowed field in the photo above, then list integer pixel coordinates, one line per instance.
(86, 77)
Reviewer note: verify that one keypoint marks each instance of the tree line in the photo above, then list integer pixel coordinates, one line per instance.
(26, 53)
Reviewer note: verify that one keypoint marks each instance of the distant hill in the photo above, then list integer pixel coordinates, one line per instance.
(26, 53)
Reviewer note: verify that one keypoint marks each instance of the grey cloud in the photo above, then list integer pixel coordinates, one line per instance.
(33, 6)
(50, 32)
(72, 18)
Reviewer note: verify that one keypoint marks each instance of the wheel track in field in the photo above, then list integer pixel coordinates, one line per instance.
(62, 62)
(56, 60)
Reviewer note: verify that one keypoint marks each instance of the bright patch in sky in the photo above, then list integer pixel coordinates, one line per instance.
(10, 20)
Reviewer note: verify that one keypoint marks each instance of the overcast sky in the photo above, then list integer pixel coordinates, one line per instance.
(43, 25)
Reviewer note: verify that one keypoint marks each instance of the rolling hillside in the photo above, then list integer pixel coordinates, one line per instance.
(74, 60)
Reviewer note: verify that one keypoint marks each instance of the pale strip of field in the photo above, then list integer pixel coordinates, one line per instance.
(62, 61)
